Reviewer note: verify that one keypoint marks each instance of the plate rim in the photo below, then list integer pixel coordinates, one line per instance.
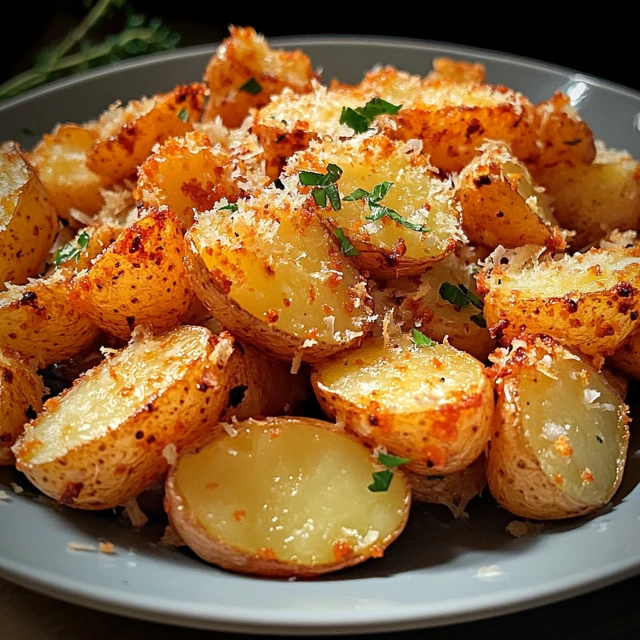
(307, 622)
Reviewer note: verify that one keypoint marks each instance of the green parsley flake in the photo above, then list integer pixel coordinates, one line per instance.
(389, 460)
(72, 250)
(251, 86)
(325, 185)
(360, 118)
(232, 206)
(461, 297)
(183, 114)
(347, 248)
(381, 480)
(478, 319)
(420, 339)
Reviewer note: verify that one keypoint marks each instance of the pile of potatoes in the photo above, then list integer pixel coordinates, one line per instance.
(311, 304)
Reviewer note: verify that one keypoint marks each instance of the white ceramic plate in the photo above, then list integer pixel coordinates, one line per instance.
(441, 570)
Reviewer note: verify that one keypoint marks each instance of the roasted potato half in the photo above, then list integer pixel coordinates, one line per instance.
(21, 392)
(60, 160)
(140, 279)
(84, 247)
(100, 443)
(454, 491)
(591, 300)
(39, 320)
(560, 434)
(425, 226)
(312, 480)
(627, 357)
(432, 404)
(128, 134)
(502, 205)
(268, 270)
(245, 72)
(594, 199)
(28, 219)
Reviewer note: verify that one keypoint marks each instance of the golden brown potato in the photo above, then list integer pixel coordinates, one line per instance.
(128, 134)
(270, 272)
(454, 491)
(39, 320)
(457, 71)
(560, 434)
(431, 404)
(101, 442)
(444, 301)
(84, 247)
(591, 301)
(140, 279)
(189, 174)
(426, 223)
(502, 205)
(223, 499)
(627, 357)
(617, 382)
(245, 71)
(21, 392)
(594, 199)
(60, 160)
(28, 219)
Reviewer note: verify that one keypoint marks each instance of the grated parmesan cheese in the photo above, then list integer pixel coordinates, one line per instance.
(519, 529)
(17, 489)
(135, 514)
(80, 546)
(170, 454)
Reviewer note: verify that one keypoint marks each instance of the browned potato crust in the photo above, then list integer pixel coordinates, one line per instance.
(457, 71)
(28, 219)
(60, 160)
(627, 357)
(222, 498)
(39, 320)
(102, 442)
(246, 56)
(502, 205)
(140, 279)
(128, 134)
(21, 392)
(559, 436)
(90, 242)
(431, 404)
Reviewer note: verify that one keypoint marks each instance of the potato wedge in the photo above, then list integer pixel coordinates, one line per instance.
(140, 279)
(245, 71)
(270, 272)
(189, 174)
(436, 304)
(28, 219)
(594, 199)
(456, 71)
(223, 499)
(431, 404)
(39, 320)
(428, 226)
(502, 205)
(128, 134)
(454, 491)
(21, 392)
(101, 442)
(84, 247)
(60, 160)
(591, 301)
(560, 434)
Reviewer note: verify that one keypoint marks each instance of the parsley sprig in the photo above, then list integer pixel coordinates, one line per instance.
(382, 479)
(72, 250)
(325, 186)
(251, 86)
(378, 210)
(420, 339)
(183, 114)
(360, 118)
(345, 244)
(232, 206)
(460, 296)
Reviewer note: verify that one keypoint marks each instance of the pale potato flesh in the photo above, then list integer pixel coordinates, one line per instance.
(573, 422)
(14, 176)
(103, 401)
(527, 190)
(290, 491)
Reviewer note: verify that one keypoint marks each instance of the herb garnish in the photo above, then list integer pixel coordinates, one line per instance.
(251, 86)
(183, 114)
(420, 339)
(232, 206)
(461, 297)
(382, 479)
(379, 210)
(360, 118)
(72, 249)
(345, 244)
(325, 186)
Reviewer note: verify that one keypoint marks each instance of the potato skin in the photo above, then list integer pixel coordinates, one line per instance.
(106, 472)
(627, 357)
(139, 279)
(30, 219)
(21, 392)
(232, 559)
(40, 321)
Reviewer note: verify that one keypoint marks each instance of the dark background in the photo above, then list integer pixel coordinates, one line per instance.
(600, 41)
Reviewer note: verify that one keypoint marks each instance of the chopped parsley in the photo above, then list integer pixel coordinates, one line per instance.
(420, 339)
(183, 114)
(72, 250)
(360, 118)
(389, 460)
(251, 86)
(461, 297)
(232, 206)
(325, 186)
(599, 438)
(382, 479)
(478, 319)
(345, 244)
(379, 210)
